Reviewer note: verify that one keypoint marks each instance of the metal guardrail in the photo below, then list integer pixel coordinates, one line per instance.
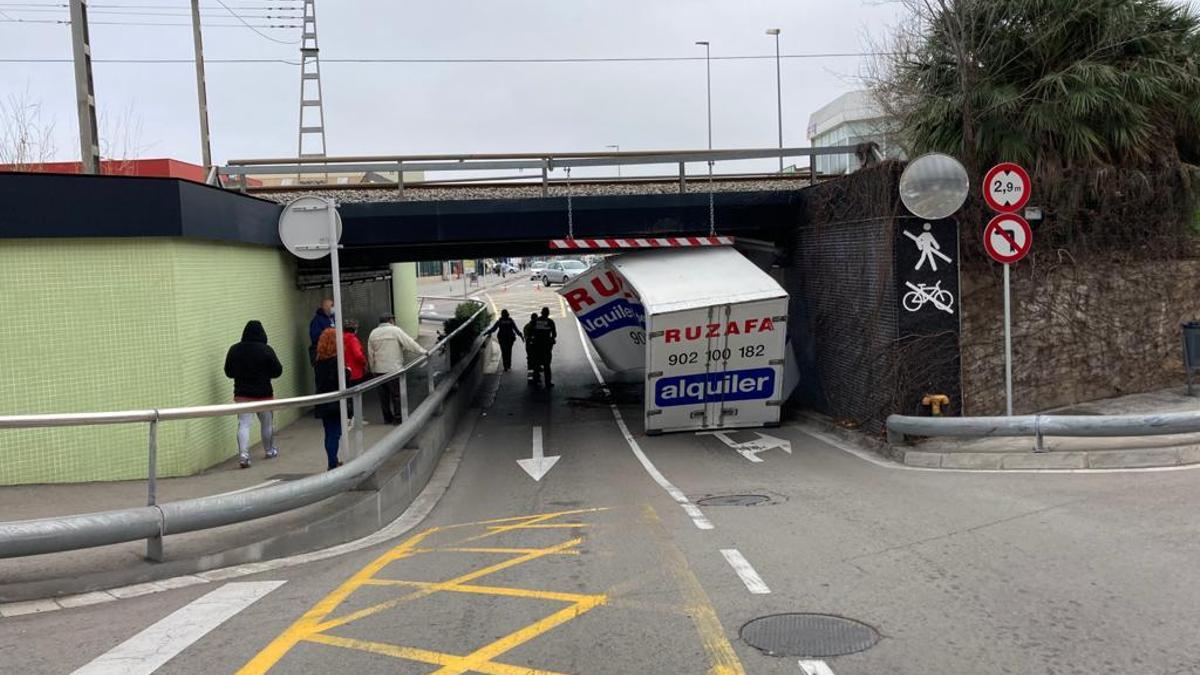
(900, 427)
(544, 162)
(154, 521)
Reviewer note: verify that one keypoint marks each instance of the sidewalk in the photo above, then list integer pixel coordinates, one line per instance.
(334, 520)
(301, 453)
(454, 287)
(1070, 453)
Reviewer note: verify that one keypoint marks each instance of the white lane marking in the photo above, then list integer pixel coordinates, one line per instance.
(868, 456)
(691, 509)
(147, 651)
(745, 571)
(813, 667)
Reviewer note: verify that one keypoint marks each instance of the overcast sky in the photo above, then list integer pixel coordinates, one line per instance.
(454, 108)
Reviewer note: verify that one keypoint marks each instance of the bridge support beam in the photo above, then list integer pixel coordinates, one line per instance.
(404, 297)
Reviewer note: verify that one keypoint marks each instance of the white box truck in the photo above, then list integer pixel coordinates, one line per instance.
(714, 341)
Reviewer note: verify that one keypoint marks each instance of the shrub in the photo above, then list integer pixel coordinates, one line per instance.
(461, 343)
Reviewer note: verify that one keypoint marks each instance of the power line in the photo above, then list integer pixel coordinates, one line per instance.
(260, 33)
(626, 59)
(64, 22)
(122, 12)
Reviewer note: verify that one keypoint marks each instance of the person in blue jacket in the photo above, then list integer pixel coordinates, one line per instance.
(321, 320)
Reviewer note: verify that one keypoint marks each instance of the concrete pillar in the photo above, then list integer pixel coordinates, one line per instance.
(404, 297)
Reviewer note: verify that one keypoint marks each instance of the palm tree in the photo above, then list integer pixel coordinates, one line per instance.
(1055, 84)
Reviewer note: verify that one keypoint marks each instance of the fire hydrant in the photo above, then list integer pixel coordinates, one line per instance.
(935, 403)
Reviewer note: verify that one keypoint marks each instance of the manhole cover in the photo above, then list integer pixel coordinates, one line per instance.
(808, 635)
(734, 500)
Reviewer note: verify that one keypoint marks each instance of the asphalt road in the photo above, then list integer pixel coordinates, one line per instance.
(598, 568)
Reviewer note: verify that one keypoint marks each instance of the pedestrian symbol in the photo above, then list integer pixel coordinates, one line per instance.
(929, 248)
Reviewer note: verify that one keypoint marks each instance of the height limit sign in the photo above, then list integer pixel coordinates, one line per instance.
(1006, 188)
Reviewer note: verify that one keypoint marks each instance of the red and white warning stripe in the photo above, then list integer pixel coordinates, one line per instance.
(649, 242)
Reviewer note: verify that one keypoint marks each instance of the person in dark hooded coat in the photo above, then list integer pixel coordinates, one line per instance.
(252, 365)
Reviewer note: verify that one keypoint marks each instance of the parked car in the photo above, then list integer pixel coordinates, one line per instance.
(562, 271)
(537, 267)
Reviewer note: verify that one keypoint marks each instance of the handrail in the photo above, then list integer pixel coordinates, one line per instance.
(899, 427)
(220, 409)
(52, 535)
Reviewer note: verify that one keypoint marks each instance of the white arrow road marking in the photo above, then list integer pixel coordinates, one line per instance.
(745, 571)
(539, 464)
(751, 449)
(147, 651)
(815, 667)
(693, 511)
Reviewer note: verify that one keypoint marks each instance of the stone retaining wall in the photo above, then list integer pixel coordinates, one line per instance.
(1082, 330)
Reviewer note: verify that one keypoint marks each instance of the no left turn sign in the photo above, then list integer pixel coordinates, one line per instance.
(1008, 238)
(1006, 188)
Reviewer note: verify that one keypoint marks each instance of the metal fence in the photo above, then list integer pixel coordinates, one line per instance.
(153, 521)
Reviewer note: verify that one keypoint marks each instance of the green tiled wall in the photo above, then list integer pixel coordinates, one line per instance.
(111, 324)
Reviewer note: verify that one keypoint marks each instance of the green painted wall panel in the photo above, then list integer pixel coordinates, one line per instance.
(134, 323)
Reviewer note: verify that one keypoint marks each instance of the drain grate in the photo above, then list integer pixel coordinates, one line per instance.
(733, 500)
(815, 635)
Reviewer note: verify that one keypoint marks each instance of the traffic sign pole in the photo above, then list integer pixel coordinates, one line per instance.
(1007, 239)
(1008, 341)
(338, 318)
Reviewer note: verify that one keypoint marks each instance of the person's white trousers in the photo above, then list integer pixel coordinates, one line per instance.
(245, 420)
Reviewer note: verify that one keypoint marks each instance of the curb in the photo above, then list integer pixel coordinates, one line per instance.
(1129, 458)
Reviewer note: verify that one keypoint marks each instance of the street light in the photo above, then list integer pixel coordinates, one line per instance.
(708, 86)
(778, 93)
(618, 149)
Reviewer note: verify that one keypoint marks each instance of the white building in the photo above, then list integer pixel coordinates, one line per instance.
(851, 119)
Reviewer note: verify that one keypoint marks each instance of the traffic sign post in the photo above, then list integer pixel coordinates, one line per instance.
(1007, 239)
(311, 227)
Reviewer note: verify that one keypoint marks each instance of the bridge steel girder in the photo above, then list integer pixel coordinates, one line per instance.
(377, 233)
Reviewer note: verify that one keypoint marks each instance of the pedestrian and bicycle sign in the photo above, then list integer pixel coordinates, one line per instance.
(1007, 238)
(1006, 188)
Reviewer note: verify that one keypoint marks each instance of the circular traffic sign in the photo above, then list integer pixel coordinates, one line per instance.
(1007, 238)
(304, 227)
(1006, 188)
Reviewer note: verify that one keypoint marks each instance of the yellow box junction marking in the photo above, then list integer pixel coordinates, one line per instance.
(562, 305)
(312, 627)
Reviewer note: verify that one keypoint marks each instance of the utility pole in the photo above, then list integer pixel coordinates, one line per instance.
(201, 89)
(85, 94)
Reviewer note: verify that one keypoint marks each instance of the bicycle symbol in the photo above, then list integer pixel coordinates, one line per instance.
(921, 294)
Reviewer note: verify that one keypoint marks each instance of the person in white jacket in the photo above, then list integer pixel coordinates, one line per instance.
(385, 354)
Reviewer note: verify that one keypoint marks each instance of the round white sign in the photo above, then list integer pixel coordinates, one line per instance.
(304, 227)
(934, 186)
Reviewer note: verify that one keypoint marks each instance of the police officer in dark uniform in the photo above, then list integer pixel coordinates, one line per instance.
(544, 335)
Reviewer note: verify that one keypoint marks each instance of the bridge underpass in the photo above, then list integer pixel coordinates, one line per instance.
(643, 554)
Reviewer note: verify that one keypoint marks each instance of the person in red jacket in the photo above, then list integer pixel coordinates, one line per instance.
(356, 356)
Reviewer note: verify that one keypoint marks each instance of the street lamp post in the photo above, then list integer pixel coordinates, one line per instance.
(708, 87)
(778, 94)
(618, 149)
